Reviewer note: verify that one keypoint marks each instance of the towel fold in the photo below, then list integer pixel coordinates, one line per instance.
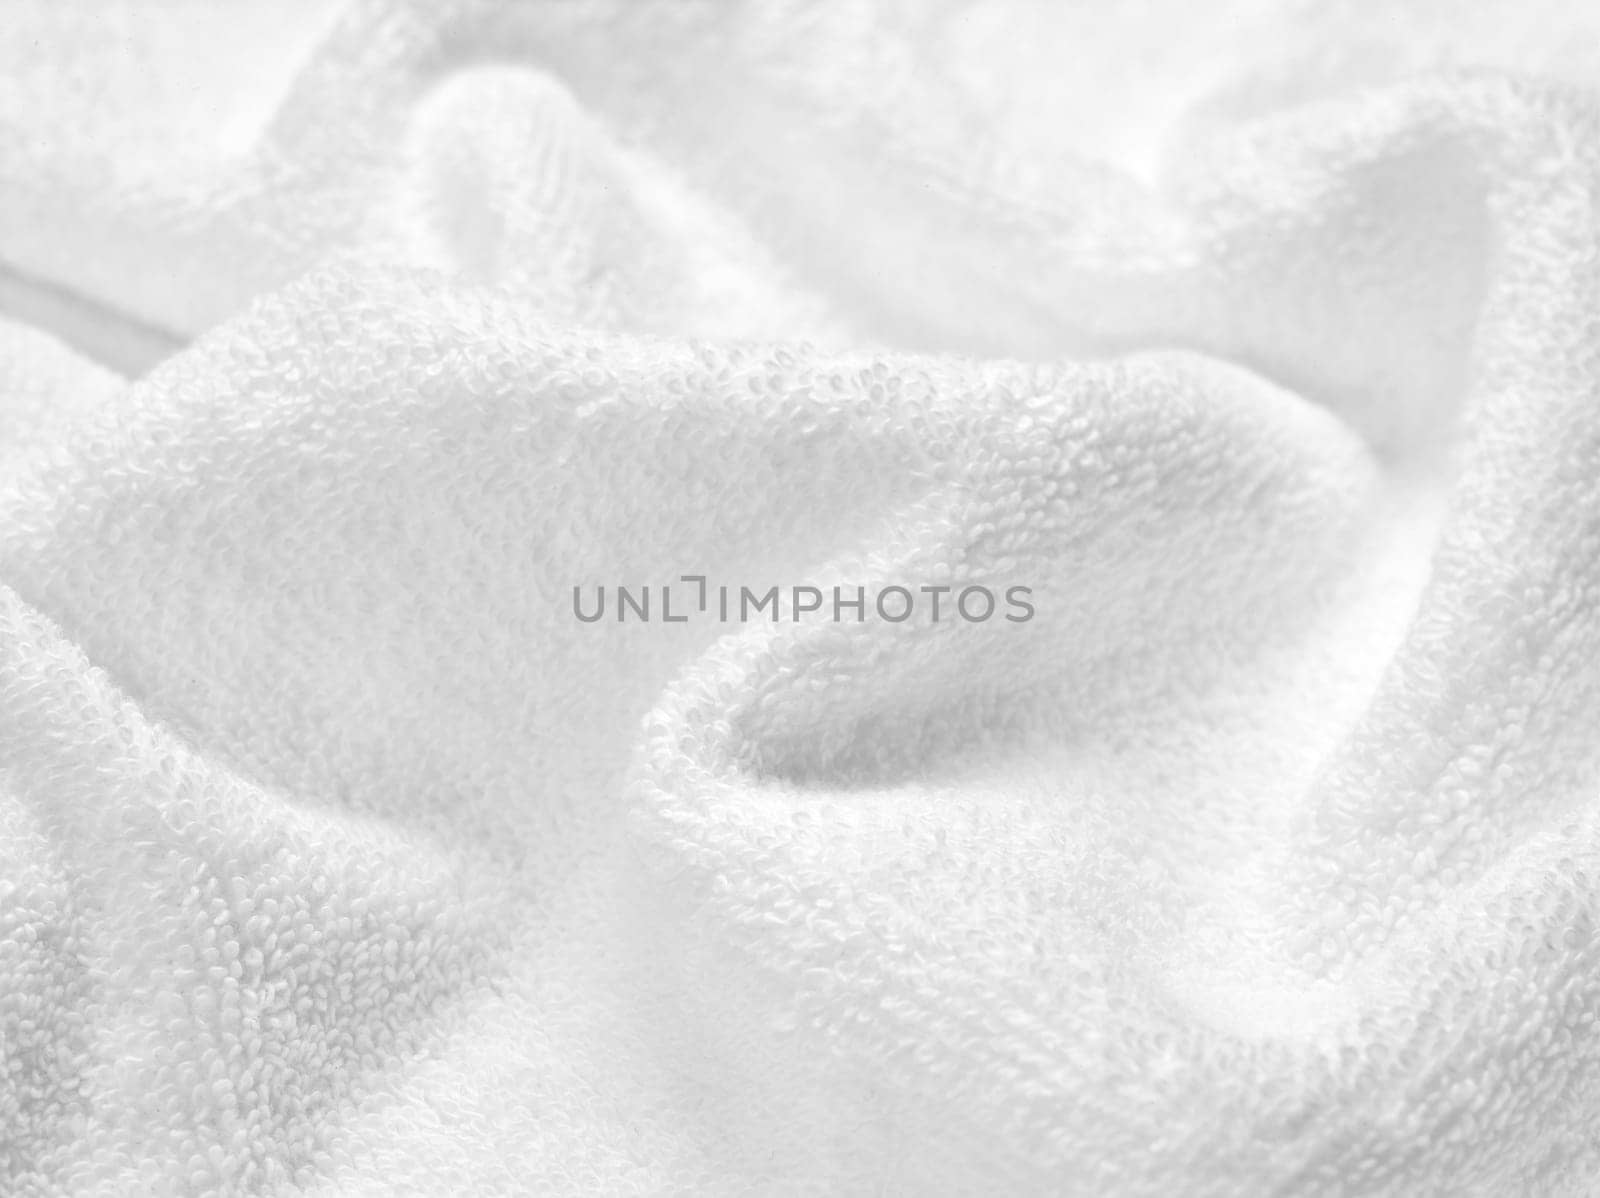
(950, 598)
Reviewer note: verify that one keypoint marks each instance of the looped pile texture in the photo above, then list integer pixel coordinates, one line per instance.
(350, 353)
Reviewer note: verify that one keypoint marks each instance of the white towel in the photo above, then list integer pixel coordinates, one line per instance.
(1226, 372)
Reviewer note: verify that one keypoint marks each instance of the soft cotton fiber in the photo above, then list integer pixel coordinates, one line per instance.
(345, 347)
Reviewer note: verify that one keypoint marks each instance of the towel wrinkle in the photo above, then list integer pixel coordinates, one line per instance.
(337, 855)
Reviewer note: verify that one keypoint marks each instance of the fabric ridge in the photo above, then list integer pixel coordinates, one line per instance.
(1092, 513)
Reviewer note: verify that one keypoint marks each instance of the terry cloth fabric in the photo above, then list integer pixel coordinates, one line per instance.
(353, 353)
